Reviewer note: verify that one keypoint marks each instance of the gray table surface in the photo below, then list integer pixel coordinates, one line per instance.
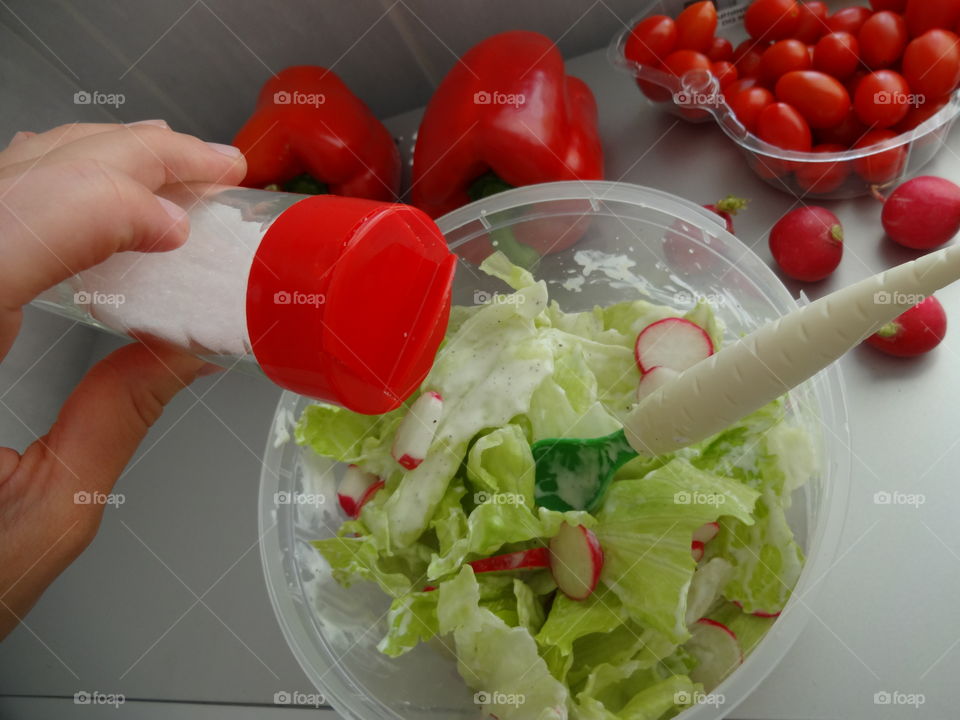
(168, 605)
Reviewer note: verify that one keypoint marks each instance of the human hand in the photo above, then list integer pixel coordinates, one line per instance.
(70, 198)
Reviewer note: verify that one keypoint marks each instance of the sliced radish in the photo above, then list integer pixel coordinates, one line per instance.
(673, 343)
(706, 533)
(758, 613)
(696, 549)
(538, 557)
(417, 429)
(576, 560)
(716, 650)
(654, 379)
(356, 488)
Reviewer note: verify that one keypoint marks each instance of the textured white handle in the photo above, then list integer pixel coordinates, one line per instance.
(760, 367)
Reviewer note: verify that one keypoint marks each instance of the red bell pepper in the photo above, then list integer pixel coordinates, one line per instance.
(309, 133)
(506, 115)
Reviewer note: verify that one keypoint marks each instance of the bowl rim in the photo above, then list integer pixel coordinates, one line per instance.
(826, 390)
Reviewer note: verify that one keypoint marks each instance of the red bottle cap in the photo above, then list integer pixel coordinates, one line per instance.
(348, 300)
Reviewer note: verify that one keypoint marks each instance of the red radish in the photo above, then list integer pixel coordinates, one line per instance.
(429, 588)
(758, 613)
(417, 429)
(917, 331)
(696, 549)
(538, 557)
(674, 343)
(716, 650)
(654, 379)
(807, 243)
(356, 489)
(727, 208)
(576, 560)
(923, 213)
(706, 533)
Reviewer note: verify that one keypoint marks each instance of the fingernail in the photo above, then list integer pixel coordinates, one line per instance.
(209, 369)
(228, 150)
(20, 137)
(176, 213)
(155, 123)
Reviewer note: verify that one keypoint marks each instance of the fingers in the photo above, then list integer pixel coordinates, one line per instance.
(43, 525)
(26, 145)
(63, 218)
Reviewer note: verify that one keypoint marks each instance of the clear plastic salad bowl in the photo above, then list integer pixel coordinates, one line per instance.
(620, 242)
(696, 97)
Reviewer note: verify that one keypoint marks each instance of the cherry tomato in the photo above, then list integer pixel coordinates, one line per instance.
(894, 5)
(813, 22)
(931, 63)
(725, 72)
(882, 39)
(748, 104)
(696, 26)
(651, 40)
(781, 125)
(881, 167)
(923, 15)
(822, 100)
(847, 132)
(837, 54)
(656, 93)
(680, 62)
(738, 86)
(823, 177)
(849, 20)
(747, 57)
(783, 57)
(772, 19)
(883, 99)
(721, 50)
(920, 114)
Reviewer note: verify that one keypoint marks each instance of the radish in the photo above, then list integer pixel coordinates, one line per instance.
(917, 331)
(576, 560)
(807, 243)
(356, 489)
(922, 213)
(696, 550)
(727, 208)
(706, 533)
(673, 343)
(654, 379)
(417, 429)
(534, 558)
(758, 613)
(716, 650)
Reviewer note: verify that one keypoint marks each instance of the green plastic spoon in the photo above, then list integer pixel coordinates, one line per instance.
(573, 473)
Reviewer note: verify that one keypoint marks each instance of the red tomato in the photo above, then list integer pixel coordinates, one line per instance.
(895, 5)
(847, 132)
(696, 26)
(781, 125)
(772, 19)
(883, 99)
(680, 62)
(721, 50)
(783, 57)
(656, 93)
(923, 15)
(882, 39)
(882, 167)
(931, 63)
(813, 22)
(822, 100)
(823, 177)
(849, 20)
(651, 40)
(837, 54)
(738, 86)
(748, 104)
(725, 72)
(747, 57)
(920, 114)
